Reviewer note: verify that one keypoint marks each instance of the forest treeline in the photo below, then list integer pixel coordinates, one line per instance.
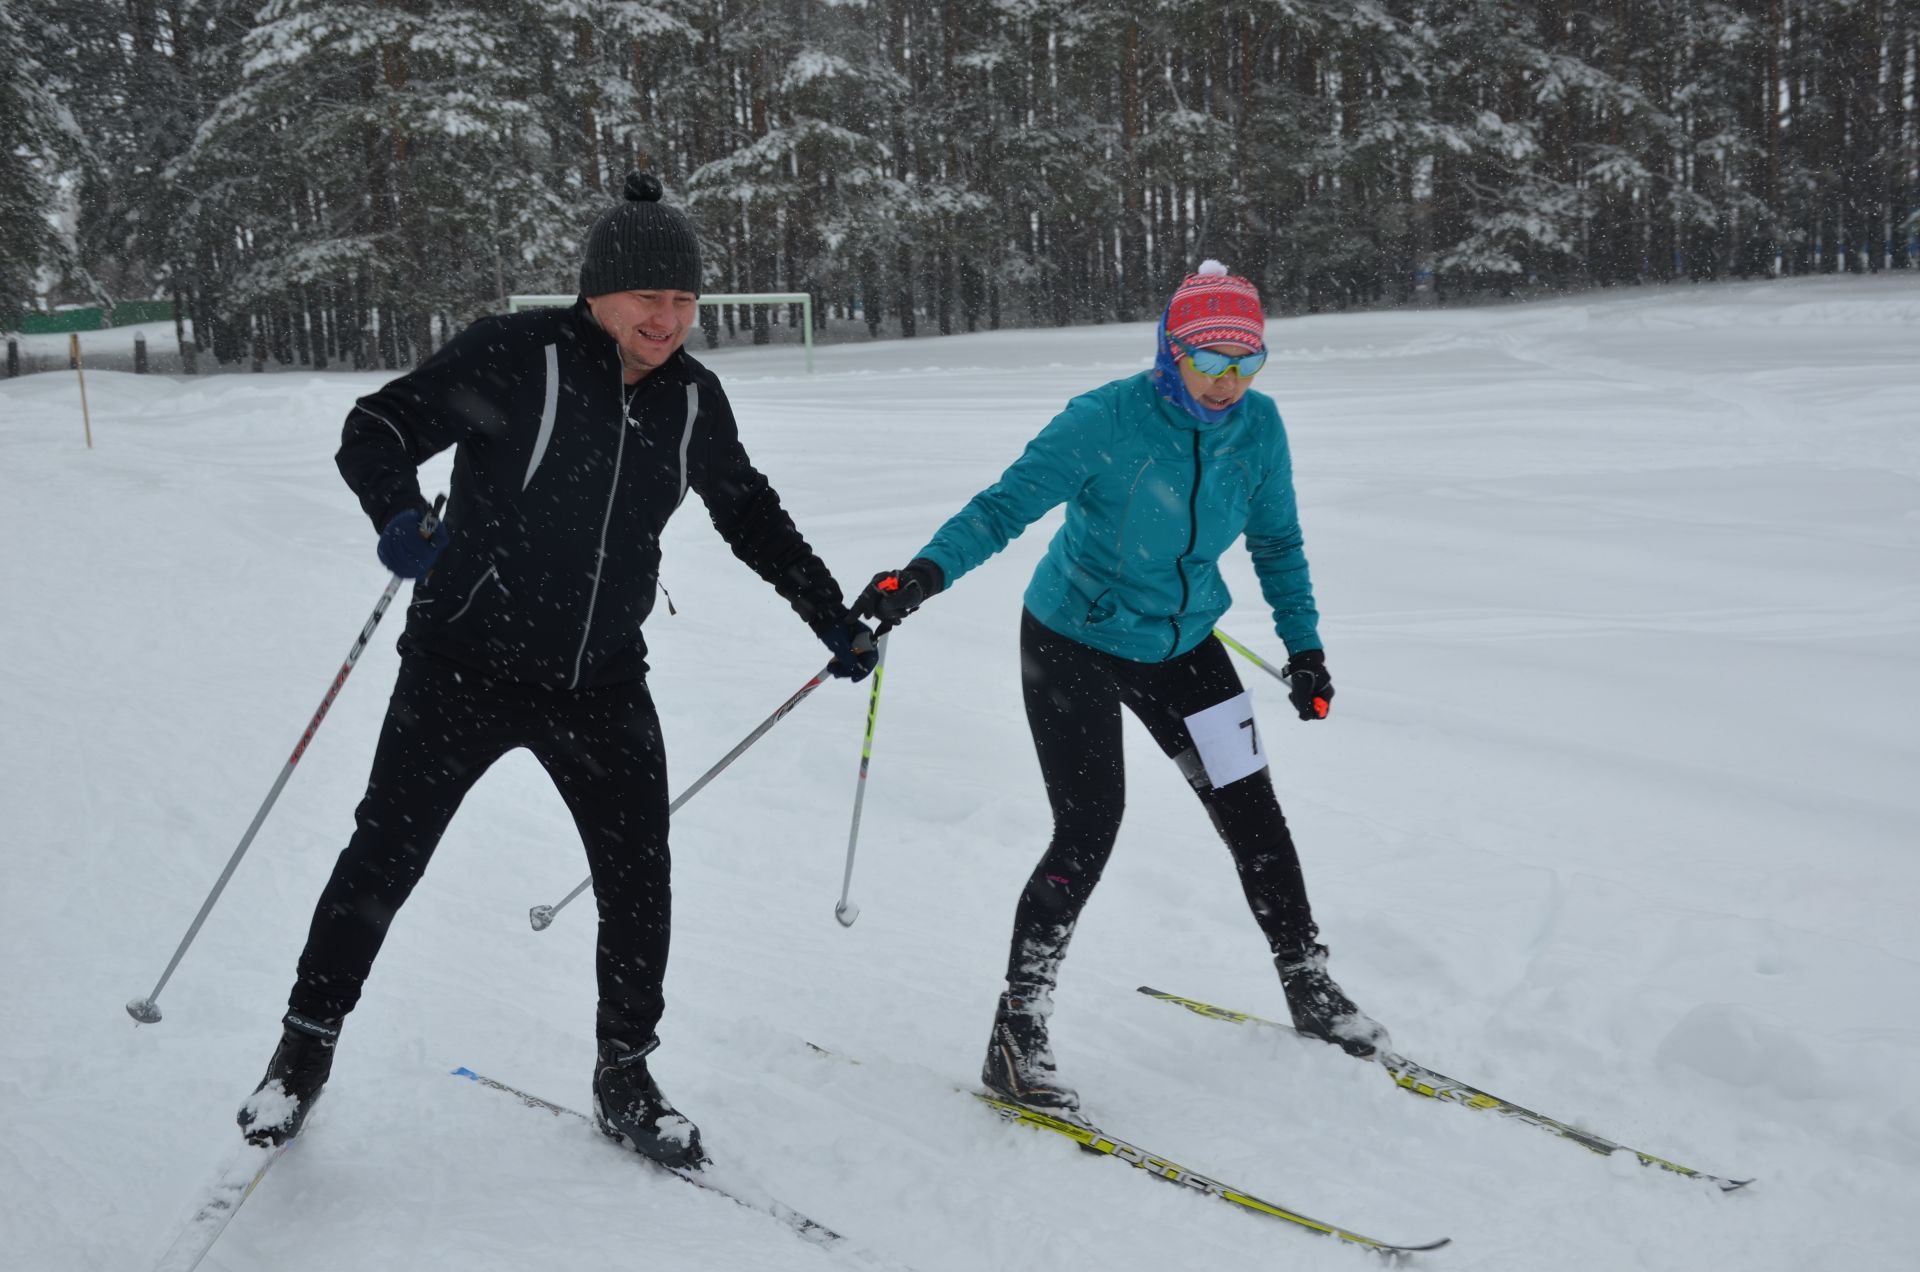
(335, 181)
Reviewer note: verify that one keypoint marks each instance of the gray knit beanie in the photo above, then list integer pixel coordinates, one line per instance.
(641, 244)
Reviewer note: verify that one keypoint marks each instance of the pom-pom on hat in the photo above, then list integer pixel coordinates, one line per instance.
(641, 244)
(1215, 307)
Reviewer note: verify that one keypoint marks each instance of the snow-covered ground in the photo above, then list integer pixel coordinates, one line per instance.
(1616, 816)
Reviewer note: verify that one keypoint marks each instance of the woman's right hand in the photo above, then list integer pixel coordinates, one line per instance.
(894, 594)
(1308, 684)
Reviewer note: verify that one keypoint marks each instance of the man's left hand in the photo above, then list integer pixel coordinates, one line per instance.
(852, 644)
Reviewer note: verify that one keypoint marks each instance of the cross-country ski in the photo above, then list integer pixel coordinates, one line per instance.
(1094, 1140)
(1420, 1080)
(242, 1171)
(708, 1177)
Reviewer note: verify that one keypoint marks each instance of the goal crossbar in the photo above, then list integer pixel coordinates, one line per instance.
(803, 299)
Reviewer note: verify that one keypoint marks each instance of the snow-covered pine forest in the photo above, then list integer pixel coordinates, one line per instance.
(341, 182)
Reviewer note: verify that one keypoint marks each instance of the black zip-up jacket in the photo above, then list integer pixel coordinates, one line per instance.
(556, 505)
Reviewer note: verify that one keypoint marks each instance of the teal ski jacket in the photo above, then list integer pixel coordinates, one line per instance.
(1153, 497)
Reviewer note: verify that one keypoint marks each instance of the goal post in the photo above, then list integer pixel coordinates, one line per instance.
(803, 299)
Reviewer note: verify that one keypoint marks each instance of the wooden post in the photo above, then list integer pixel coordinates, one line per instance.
(73, 351)
(13, 357)
(139, 353)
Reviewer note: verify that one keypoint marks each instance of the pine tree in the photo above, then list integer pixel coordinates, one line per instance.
(804, 197)
(1513, 187)
(41, 137)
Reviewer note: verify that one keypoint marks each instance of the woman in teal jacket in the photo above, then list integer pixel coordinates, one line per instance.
(1160, 473)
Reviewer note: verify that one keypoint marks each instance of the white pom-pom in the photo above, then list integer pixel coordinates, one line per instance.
(1211, 269)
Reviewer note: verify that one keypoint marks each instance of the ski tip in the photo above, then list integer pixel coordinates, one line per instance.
(464, 1072)
(1388, 1251)
(1732, 1185)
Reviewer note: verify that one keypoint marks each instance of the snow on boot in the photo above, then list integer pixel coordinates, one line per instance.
(278, 1107)
(1322, 1009)
(1019, 1059)
(628, 1107)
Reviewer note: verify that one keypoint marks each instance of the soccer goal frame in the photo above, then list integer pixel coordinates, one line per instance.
(803, 299)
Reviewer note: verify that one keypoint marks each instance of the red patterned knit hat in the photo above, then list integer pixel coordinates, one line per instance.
(1215, 307)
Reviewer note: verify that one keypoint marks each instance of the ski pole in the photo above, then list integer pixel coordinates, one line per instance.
(846, 911)
(541, 916)
(1319, 703)
(1250, 656)
(147, 1010)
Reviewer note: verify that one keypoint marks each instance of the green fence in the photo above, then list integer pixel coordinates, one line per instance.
(128, 312)
(39, 324)
(124, 314)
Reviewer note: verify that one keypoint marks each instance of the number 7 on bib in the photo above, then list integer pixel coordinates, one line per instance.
(1227, 740)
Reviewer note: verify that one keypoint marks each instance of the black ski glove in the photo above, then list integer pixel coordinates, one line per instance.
(894, 594)
(851, 642)
(1308, 683)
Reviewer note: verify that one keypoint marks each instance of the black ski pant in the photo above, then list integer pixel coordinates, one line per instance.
(1073, 696)
(445, 725)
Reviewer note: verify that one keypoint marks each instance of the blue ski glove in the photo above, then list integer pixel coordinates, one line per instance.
(403, 551)
(851, 642)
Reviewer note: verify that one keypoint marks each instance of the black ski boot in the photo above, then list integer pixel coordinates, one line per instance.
(628, 1106)
(278, 1107)
(1321, 1009)
(1019, 1059)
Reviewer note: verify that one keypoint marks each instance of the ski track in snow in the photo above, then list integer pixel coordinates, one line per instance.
(1614, 817)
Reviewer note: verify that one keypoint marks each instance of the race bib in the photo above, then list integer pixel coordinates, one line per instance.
(1228, 740)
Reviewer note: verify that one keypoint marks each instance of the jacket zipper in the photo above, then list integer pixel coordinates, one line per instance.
(600, 556)
(1193, 537)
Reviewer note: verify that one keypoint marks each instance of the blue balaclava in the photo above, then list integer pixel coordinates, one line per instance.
(1212, 306)
(1173, 386)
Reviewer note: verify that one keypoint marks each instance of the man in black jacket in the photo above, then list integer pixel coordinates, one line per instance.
(577, 433)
